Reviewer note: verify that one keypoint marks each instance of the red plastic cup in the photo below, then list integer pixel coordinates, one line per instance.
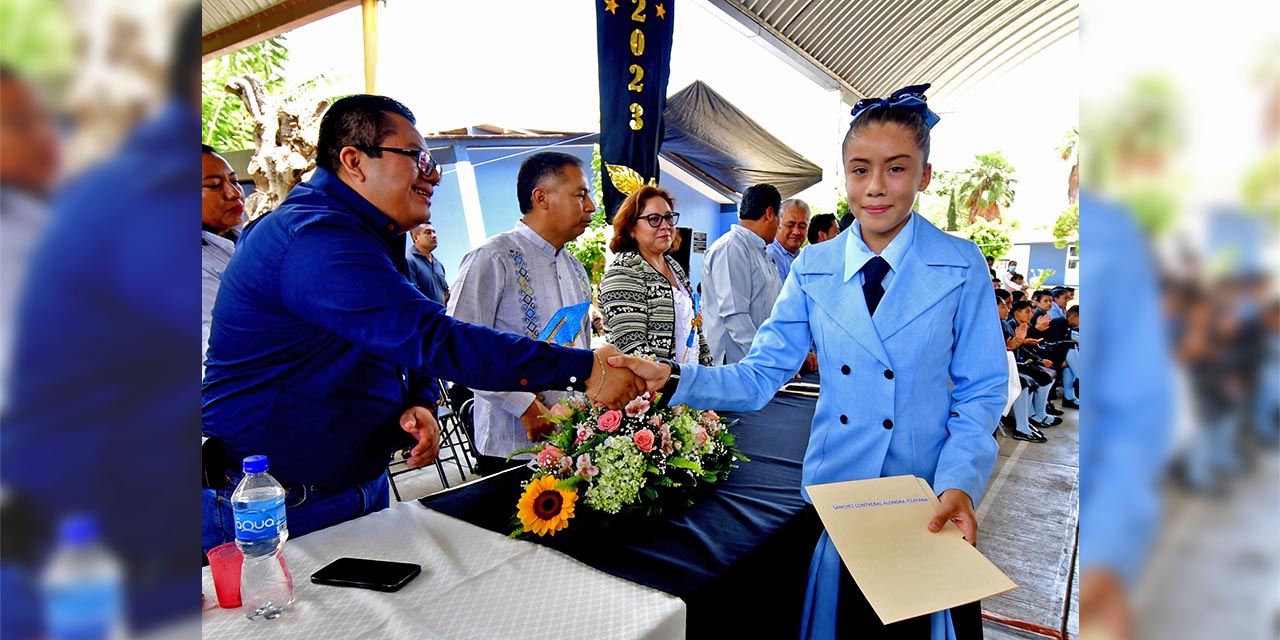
(225, 561)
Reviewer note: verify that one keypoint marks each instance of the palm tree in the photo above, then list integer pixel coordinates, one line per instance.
(1068, 151)
(988, 186)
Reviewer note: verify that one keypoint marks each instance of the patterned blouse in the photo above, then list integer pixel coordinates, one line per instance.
(639, 314)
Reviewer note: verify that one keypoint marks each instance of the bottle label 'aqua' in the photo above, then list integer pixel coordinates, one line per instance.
(260, 520)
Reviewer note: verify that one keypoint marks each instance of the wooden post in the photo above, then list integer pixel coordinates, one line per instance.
(369, 13)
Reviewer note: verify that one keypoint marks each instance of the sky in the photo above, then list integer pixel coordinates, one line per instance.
(520, 65)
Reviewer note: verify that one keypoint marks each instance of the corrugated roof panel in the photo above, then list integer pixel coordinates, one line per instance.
(872, 47)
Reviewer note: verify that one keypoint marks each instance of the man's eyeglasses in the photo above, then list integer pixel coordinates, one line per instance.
(426, 164)
(656, 220)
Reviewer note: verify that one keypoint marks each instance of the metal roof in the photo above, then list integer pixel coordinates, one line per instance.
(872, 47)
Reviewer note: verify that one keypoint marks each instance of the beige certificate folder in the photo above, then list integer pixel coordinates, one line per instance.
(880, 528)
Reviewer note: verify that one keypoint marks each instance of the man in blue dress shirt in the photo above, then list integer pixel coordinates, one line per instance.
(318, 335)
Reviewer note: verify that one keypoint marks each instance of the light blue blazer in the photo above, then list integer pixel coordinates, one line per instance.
(917, 389)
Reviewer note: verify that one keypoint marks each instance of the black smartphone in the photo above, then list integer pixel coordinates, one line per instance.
(379, 575)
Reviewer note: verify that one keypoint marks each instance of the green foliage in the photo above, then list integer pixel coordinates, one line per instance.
(1067, 227)
(991, 236)
(842, 204)
(588, 248)
(988, 184)
(939, 204)
(225, 124)
(37, 39)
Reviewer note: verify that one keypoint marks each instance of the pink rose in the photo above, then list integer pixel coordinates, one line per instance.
(644, 440)
(610, 421)
(549, 456)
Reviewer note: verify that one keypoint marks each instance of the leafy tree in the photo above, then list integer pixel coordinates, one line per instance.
(226, 125)
(1067, 227)
(939, 203)
(588, 248)
(991, 236)
(988, 185)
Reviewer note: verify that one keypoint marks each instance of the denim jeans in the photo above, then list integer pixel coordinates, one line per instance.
(307, 507)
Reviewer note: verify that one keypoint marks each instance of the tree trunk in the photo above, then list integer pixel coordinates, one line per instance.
(284, 137)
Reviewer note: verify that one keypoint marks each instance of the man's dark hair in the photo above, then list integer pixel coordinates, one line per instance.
(1073, 311)
(823, 222)
(536, 169)
(1019, 306)
(184, 59)
(904, 116)
(991, 260)
(359, 121)
(757, 199)
(1003, 294)
(204, 148)
(1040, 294)
(1018, 295)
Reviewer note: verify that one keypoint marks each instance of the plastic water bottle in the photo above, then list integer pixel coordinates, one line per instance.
(82, 585)
(266, 587)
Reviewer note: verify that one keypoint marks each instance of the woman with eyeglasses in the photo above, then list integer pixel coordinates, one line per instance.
(649, 307)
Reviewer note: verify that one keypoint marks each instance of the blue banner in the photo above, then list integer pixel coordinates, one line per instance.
(633, 40)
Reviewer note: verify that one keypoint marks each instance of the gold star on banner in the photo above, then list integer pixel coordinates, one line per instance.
(611, 6)
(662, 12)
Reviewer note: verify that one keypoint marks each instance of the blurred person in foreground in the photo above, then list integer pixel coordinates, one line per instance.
(1125, 426)
(319, 339)
(649, 307)
(29, 162)
(101, 419)
(221, 207)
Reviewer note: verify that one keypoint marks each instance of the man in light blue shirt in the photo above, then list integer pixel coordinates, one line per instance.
(792, 229)
(739, 280)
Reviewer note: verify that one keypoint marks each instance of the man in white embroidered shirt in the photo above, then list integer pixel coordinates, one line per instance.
(739, 280)
(515, 282)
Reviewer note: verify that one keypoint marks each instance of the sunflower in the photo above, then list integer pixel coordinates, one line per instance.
(545, 509)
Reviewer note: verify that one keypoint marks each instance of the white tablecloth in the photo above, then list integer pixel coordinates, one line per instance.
(475, 584)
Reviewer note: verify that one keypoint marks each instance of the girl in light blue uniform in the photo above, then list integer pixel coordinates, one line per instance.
(912, 359)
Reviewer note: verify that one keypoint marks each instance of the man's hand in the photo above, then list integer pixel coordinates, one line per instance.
(536, 427)
(609, 386)
(1104, 607)
(956, 506)
(652, 374)
(1042, 324)
(418, 422)
(811, 362)
(1021, 332)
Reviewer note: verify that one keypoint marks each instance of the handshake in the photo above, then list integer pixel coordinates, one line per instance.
(617, 379)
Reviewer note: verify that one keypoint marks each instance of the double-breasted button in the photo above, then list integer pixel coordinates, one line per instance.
(888, 373)
(845, 369)
(888, 424)
(844, 419)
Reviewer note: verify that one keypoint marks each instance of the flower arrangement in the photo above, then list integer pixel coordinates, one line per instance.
(639, 460)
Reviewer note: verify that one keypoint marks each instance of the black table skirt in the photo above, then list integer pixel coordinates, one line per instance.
(738, 558)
